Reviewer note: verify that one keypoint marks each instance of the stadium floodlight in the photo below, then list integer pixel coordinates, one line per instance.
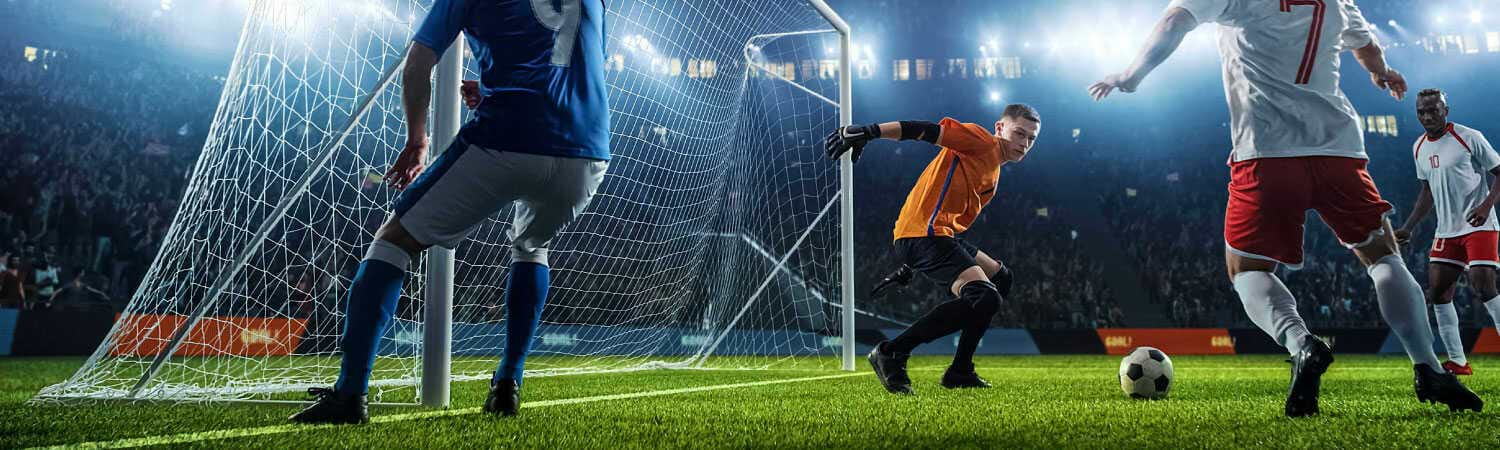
(994, 96)
(1392, 23)
(1440, 19)
(1476, 16)
(721, 236)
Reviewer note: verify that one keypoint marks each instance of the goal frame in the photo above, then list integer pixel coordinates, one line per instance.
(433, 389)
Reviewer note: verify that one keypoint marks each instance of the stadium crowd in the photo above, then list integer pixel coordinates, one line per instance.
(96, 152)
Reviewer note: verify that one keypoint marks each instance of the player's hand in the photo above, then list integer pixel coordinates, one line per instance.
(1391, 81)
(850, 137)
(900, 277)
(1104, 87)
(1478, 216)
(470, 92)
(1403, 236)
(409, 164)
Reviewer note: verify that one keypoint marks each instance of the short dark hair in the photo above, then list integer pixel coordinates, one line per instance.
(1429, 92)
(1021, 110)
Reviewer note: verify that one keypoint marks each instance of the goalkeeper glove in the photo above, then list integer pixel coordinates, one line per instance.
(850, 137)
(899, 277)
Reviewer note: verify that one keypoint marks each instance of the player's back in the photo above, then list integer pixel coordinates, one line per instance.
(541, 65)
(1281, 74)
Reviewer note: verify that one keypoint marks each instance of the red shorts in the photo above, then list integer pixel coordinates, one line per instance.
(1479, 248)
(1269, 199)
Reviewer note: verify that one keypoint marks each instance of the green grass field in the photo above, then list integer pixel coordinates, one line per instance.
(1038, 401)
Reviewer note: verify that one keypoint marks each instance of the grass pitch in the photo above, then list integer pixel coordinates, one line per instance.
(1038, 401)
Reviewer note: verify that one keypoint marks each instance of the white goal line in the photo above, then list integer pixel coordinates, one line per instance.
(235, 433)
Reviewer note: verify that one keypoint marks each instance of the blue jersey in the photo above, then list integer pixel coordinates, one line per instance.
(541, 65)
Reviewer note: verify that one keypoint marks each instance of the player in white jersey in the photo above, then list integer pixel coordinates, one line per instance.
(1452, 161)
(1298, 147)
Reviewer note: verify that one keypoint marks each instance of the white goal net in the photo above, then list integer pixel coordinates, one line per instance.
(713, 242)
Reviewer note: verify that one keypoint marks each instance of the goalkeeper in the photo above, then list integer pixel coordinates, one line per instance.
(957, 184)
(539, 138)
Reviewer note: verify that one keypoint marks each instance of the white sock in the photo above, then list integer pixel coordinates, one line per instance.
(1493, 305)
(1447, 322)
(1271, 306)
(1404, 308)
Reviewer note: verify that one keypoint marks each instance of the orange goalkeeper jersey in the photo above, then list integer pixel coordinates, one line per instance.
(958, 182)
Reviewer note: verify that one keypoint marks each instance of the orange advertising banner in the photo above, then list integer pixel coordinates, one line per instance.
(1173, 341)
(149, 334)
(1489, 341)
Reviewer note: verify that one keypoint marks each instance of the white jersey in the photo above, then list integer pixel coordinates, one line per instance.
(1454, 167)
(1281, 74)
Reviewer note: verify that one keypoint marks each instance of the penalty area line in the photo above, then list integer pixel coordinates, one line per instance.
(235, 433)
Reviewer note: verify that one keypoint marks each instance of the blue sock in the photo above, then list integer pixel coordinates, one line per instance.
(372, 302)
(524, 298)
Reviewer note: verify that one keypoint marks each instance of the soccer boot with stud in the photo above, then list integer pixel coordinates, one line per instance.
(962, 376)
(1443, 387)
(330, 408)
(890, 368)
(1308, 366)
(504, 399)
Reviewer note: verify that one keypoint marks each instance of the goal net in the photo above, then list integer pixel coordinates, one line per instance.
(713, 241)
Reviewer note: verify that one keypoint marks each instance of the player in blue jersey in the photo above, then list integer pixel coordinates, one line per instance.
(540, 138)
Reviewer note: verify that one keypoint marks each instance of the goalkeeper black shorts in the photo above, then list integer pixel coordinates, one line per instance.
(938, 258)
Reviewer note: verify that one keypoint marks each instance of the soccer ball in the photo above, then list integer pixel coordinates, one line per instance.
(1146, 373)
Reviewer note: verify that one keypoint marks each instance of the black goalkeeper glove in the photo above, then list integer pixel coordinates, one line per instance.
(850, 137)
(899, 277)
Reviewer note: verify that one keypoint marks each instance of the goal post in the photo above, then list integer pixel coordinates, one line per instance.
(718, 114)
(846, 182)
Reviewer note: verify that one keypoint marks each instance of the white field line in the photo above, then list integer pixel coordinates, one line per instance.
(234, 433)
(1283, 368)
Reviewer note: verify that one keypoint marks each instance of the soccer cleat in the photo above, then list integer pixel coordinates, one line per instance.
(1308, 366)
(890, 368)
(1434, 387)
(504, 399)
(963, 377)
(329, 408)
(1457, 369)
(900, 277)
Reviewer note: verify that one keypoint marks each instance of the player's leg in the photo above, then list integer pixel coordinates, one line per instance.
(1441, 277)
(1483, 262)
(440, 207)
(947, 261)
(1351, 205)
(1484, 285)
(1263, 224)
(960, 373)
(541, 213)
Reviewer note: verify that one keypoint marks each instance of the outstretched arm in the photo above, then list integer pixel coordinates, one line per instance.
(1174, 26)
(855, 137)
(1372, 58)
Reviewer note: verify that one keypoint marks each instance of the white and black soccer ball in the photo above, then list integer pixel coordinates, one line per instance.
(1146, 373)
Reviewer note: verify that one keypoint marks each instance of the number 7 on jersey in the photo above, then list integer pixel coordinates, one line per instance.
(1314, 35)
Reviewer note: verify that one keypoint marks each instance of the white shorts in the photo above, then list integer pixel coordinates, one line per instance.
(468, 184)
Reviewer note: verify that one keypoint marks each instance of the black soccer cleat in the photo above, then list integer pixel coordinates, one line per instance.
(1443, 387)
(329, 408)
(1308, 366)
(890, 368)
(900, 277)
(962, 378)
(504, 399)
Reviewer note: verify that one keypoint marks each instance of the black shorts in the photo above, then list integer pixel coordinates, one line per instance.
(939, 258)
